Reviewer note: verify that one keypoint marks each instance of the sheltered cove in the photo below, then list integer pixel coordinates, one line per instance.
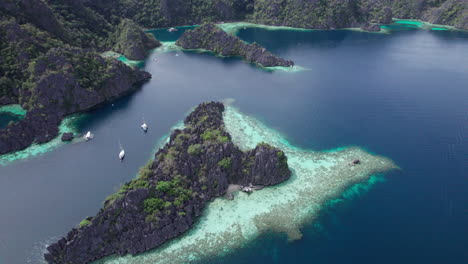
(15, 109)
(211, 37)
(226, 225)
(169, 46)
(122, 58)
(66, 126)
(234, 27)
(197, 165)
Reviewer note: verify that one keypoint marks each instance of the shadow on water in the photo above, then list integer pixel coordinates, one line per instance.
(291, 39)
(227, 62)
(104, 112)
(449, 35)
(162, 34)
(6, 118)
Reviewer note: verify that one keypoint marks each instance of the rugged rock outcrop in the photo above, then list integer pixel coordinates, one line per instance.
(72, 80)
(63, 82)
(450, 12)
(67, 137)
(36, 12)
(30, 29)
(197, 164)
(296, 13)
(51, 78)
(371, 27)
(132, 42)
(356, 13)
(39, 125)
(211, 37)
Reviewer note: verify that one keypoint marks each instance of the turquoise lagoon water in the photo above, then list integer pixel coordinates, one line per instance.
(10, 113)
(401, 95)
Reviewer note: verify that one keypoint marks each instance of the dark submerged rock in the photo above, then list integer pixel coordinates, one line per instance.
(371, 27)
(197, 164)
(67, 137)
(211, 37)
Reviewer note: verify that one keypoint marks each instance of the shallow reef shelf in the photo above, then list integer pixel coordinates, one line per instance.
(166, 47)
(15, 109)
(418, 24)
(234, 27)
(122, 58)
(66, 126)
(285, 69)
(170, 46)
(226, 225)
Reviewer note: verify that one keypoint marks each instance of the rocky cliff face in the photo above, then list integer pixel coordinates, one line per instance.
(36, 12)
(72, 80)
(356, 13)
(212, 38)
(52, 79)
(63, 82)
(197, 165)
(296, 13)
(132, 42)
(452, 12)
(32, 29)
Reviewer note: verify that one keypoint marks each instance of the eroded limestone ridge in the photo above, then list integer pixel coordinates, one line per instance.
(211, 37)
(62, 82)
(196, 165)
(131, 41)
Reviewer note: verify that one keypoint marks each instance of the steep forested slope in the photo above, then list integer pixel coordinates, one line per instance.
(31, 29)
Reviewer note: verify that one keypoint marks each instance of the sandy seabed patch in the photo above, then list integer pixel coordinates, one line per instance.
(318, 177)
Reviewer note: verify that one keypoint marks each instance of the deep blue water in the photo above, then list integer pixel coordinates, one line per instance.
(403, 95)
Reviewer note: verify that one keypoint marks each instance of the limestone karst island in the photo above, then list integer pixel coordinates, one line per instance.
(233, 131)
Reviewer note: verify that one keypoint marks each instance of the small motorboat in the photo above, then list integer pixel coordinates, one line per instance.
(172, 29)
(88, 136)
(144, 126)
(122, 155)
(246, 189)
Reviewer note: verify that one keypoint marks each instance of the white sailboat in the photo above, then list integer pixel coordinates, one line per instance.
(122, 152)
(88, 136)
(144, 126)
(122, 155)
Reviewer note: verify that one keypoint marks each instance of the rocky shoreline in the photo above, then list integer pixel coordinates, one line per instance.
(64, 89)
(132, 41)
(32, 29)
(212, 38)
(198, 164)
(51, 64)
